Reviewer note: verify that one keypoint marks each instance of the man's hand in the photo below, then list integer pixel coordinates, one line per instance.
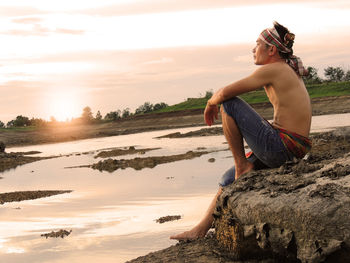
(210, 112)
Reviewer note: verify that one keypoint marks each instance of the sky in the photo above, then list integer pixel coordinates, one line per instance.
(59, 56)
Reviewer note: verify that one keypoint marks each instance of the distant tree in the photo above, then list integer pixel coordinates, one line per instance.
(38, 122)
(87, 115)
(53, 119)
(126, 113)
(208, 94)
(112, 116)
(145, 108)
(20, 121)
(98, 116)
(312, 77)
(2, 125)
(334, 73)
(159, 106)
(10, 123)
(347, 76)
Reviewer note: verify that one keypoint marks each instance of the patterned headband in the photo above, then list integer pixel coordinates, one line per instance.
(271, 37)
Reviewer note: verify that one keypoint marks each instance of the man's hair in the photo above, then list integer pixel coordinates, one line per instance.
(282, 31)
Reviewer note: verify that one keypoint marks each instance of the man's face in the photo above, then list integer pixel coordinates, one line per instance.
(260, 52)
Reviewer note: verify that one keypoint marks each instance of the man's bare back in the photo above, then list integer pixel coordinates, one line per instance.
(290, 100)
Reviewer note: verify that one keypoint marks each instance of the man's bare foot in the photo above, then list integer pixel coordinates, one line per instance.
(248, 167)
(192, 234)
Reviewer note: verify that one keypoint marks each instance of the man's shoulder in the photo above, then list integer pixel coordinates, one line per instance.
(271, 70)
(276, 70)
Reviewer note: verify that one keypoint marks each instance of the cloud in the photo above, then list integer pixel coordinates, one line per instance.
(69, 31)
(159, 6)
(12, 11)
(159, 61)
(27, 20)
(38, 30)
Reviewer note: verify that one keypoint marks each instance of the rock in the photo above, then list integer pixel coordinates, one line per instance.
(138, 163)
(211, 160)
(62, 233)
(295, 213)
(164, 219)
(2, 147)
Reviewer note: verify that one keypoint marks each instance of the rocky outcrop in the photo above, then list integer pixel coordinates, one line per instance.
(297, 213)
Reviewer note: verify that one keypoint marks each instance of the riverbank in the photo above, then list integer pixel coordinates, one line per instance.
(148, 122)
(323, 176)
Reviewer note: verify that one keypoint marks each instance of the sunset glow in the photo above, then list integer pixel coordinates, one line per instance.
(63, 107)
(108, 48)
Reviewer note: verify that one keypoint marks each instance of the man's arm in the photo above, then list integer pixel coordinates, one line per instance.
(261, 77)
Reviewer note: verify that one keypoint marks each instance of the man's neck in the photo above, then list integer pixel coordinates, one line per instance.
(275, 59)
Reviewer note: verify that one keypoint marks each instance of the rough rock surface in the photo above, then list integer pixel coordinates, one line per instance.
(295, 213)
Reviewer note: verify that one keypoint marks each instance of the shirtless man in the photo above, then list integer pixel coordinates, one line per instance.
(271, 144)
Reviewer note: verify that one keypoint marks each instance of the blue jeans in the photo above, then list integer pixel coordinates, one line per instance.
(264, 141)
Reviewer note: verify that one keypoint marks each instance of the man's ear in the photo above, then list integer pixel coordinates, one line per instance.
(272, 50)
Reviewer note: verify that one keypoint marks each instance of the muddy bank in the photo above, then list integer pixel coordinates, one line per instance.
(28, 195)
(149, 122)
(120, 152)
(204, 250)
(199, 133)
(138, 163)
(61, 233)
(295, 213)
(164, 219)
(12, 160)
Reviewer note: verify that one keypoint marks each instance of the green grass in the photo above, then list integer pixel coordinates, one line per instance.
(258, 96)
(329, 89)
(12, 129)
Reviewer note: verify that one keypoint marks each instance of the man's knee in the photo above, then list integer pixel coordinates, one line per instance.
(229, 107)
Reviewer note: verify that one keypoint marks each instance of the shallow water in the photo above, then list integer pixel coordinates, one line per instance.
(112, 215)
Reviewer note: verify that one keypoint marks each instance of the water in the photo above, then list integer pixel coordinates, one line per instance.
(112, 215)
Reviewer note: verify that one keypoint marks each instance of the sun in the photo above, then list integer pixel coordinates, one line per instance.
(64, 107)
